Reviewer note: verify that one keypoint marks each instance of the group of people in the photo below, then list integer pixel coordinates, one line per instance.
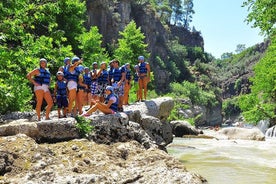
(105, 88)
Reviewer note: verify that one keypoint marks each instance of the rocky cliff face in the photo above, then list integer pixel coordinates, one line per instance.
(240, 83)
(111, 17)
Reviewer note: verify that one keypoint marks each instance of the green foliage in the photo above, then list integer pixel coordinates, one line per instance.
(230, 107)
(84, 126)
(91, 45)
(30, 30)
(192, 91)
(236, 65)
(262, 14)
(131, 45)
(261, 102)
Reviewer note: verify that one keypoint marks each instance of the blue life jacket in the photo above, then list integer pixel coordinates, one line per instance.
(117, 74)
(113, 106)
(61, 88)
(103, 78)
(74, 75)
(128, 74)
(66, 70)
(44, 77)
(110, 73)
(87, 79)
(136, 77)
(142, 67)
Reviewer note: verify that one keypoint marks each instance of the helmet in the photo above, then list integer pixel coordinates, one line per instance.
(110, 88)
(141, 58)
(66, 59)
(86, 68)
(60, 73)
(80, 68)
(43, 60)
(95, 63)
(75, 59)
(136, 66)
(126, 64)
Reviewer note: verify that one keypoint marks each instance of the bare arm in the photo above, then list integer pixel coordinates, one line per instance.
(73, 66)
(148, 71)
(81, 82)
(55, 90)
(30, 76)
(122, 78)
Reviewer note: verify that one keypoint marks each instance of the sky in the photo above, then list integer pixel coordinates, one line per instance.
(222, 26)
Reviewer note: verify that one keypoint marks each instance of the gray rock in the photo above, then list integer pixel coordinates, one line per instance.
(243, 133)
(159, 107)
(181, 128)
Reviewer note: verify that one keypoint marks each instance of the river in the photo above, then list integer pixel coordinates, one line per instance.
(228, 161)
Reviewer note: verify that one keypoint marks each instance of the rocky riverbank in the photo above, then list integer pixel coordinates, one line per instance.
(127, 147)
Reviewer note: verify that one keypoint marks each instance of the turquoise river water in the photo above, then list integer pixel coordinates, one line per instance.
(228, 161)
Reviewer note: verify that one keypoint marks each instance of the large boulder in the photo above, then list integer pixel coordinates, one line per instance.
(243, 133)
(180, 128)
(159, 107)
(47, 130)
(149, 131)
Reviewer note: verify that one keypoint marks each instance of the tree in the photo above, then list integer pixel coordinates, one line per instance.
(177, 11)
(29, 30)
(226, 55)
(91, 46)
(131, 45)
(188, 11)
(262, 14)
(240, 48)
(261, 102)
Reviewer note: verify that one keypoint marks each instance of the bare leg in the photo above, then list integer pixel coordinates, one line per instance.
(72, 98)
(49, 100)
(39, 100)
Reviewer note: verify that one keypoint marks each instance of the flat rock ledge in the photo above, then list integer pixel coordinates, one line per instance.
(139, 122)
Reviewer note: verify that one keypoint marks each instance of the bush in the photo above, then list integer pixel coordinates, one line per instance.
(84, 126)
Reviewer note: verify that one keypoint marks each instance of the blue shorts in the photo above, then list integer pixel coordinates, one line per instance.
(62, 101)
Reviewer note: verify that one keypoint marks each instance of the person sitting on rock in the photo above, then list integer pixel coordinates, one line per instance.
(109, 107)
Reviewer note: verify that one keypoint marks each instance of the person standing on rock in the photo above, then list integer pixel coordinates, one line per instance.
(87, 79)
(127, 84)
(110, 105)
(144, 77)
(41, 78)
(94, 84)
(103, 80)
(135, 82)
(72, 76)
(118, 79)
(60, 94)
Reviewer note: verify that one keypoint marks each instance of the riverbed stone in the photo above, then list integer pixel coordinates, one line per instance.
(181, 128)
(243, 133)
